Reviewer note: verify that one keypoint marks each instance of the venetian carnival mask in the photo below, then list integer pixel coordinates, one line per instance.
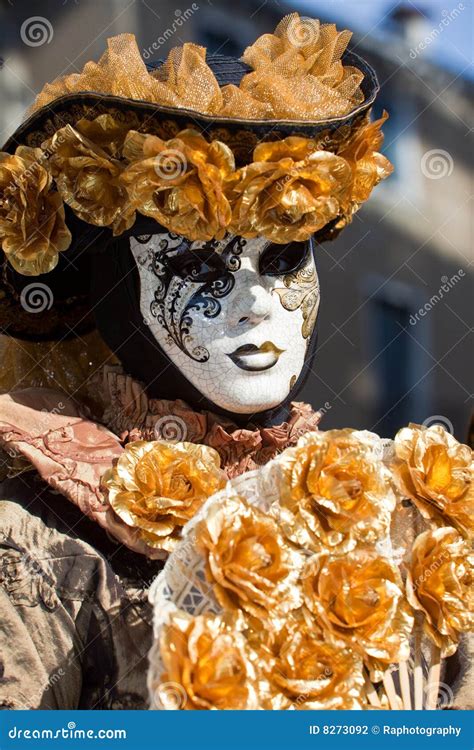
(235, 316)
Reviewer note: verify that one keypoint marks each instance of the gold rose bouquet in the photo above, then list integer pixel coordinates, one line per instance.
(338, 576)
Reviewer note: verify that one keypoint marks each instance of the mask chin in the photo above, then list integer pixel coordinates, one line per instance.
(116, 302)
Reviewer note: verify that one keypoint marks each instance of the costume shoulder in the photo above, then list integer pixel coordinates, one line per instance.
(45, 431)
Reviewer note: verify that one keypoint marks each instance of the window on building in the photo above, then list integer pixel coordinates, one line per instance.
(398, 362)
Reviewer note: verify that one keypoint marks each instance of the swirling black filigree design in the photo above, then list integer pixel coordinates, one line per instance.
(178, 300)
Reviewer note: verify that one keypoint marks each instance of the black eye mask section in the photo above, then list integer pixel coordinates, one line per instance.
(280, 260)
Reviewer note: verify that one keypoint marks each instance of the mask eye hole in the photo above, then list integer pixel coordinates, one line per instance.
(200, 266)
(280, 260)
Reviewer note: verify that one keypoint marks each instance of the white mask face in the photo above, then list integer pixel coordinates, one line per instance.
(235, 316)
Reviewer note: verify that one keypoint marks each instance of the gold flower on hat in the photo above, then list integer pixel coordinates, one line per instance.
(180, 182)
(358, 599)
(440, 584)
(248, 560)
(157, 487)
(437, 473)
(368, 165)
(335, 491)
(289, 191)
(207, 664)
(87, 176)
(32, 227)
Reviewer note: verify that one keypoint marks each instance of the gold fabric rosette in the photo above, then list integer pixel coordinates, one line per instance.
(369, 167)
(248, 561)
(180, 182)
(440, 585)
(157, 487)
(335, 491)
(359, 599)
(437, 473)
(208, 665)
(315, 674)
(32, 226)
(289, 192)
(85, 166)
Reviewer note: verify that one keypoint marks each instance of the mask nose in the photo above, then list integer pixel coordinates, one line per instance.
(251, 306)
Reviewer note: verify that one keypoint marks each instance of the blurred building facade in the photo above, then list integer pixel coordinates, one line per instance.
(396, 320)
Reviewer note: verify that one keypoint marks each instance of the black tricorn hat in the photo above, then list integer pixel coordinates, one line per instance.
(56, 304)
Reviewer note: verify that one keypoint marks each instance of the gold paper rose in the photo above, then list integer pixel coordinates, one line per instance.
(437, 473)
(316, 675)
(157, 487)
(440, 584)
(335, 491)
(32, 227)
(180, 182)
(368, 165)
(289, 192)
(248, 560)
(87, 176)
(359, 599)
(207, 664)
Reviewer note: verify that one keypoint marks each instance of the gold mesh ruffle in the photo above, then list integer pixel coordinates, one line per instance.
(297, 75)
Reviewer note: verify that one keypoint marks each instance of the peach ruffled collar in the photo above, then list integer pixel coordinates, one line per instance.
(130, 414)
(45, 430)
